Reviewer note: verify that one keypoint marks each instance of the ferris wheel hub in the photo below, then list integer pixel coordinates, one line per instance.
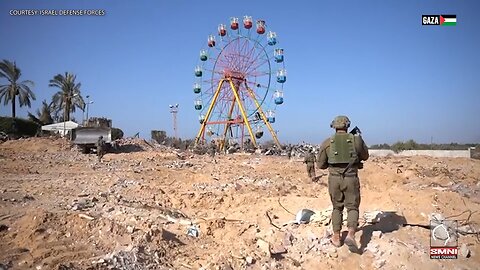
(233, 74)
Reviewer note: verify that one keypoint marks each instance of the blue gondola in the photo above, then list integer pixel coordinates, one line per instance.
(281, 75)
(203, 55)
(279, 58)
(197, 88)
(272, 38)
(278, 53)
(278, 97)
(198, 71)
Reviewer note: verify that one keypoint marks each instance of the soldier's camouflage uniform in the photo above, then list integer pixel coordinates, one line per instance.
(212, 149)
(100, 148)
(310, 161)
(343, 181)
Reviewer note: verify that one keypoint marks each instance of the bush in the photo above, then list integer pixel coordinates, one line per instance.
(381, 146)
(117, 134)
(159, 136)
(23, 127)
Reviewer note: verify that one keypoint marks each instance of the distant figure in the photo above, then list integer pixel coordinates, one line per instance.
(289, 151)
(100, 148)
(114, 145)
(342, 155)
(212, 149)
(310, 161)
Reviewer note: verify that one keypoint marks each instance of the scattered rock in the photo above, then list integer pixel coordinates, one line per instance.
(333, 255)
(264, 246)
(250, 260)
(130, 229)
(377, 234)
(379, 263)
(288, 238)
(3, 227)
(465, 251)
(278, 249)
(372, 247)
(28, 198)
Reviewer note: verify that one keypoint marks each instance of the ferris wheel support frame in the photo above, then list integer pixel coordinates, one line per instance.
(201, 132)
(264, 118)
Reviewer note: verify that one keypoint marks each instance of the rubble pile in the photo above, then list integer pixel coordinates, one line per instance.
(133, 145)
(159, 208)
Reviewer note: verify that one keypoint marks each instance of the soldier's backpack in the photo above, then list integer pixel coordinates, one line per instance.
(342, 149)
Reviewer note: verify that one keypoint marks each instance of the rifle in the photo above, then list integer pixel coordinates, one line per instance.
(356, 131)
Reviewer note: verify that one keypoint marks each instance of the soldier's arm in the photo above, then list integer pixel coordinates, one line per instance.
(322, 159)
(361, 148)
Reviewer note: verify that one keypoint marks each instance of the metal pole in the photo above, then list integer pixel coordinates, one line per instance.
(64, 119)
(175, 124)
(88, 103)
(173, 111)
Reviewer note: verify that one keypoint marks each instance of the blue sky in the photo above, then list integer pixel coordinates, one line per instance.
(370, 60)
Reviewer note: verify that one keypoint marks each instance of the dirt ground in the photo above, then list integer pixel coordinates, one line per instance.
(60, 209)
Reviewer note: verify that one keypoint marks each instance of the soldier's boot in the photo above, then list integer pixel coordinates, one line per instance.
(350, 240)
(335, 240)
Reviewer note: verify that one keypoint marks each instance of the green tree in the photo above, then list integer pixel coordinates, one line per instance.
(14, 88)
(44, 115)
(68, 97)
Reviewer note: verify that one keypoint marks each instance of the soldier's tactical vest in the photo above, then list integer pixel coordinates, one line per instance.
(342, 149)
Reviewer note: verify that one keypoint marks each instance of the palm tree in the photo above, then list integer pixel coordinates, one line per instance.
(68, 97)
(9, 91)
(44, 115)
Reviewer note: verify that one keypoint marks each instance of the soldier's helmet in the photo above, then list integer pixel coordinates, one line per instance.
(101, 137)
(340, 122)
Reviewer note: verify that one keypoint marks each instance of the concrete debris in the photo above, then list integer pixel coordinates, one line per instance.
(193, 231)
(379, 263)
(130, 208)
(333, 253)
(179, 164)
(377, 234)
(264, 246)
(373, 216)
(250, 260)
(130, 229)
(132, 258)
(288, 239)
(372, 248)
(278, 249)
(82, 204)
(465, 251)
(86, 217)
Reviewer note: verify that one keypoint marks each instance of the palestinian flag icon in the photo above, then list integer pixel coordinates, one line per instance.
(448, 20)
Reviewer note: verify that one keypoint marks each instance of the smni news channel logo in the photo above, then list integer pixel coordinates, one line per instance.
(443, 239)
(443, 20)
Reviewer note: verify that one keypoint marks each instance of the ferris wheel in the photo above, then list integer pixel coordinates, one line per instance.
(239, 83)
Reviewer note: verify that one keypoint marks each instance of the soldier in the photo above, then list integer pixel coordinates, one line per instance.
(342, 155)
(212, 149)
(310, 161)
(100, 148)
(290, 151)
